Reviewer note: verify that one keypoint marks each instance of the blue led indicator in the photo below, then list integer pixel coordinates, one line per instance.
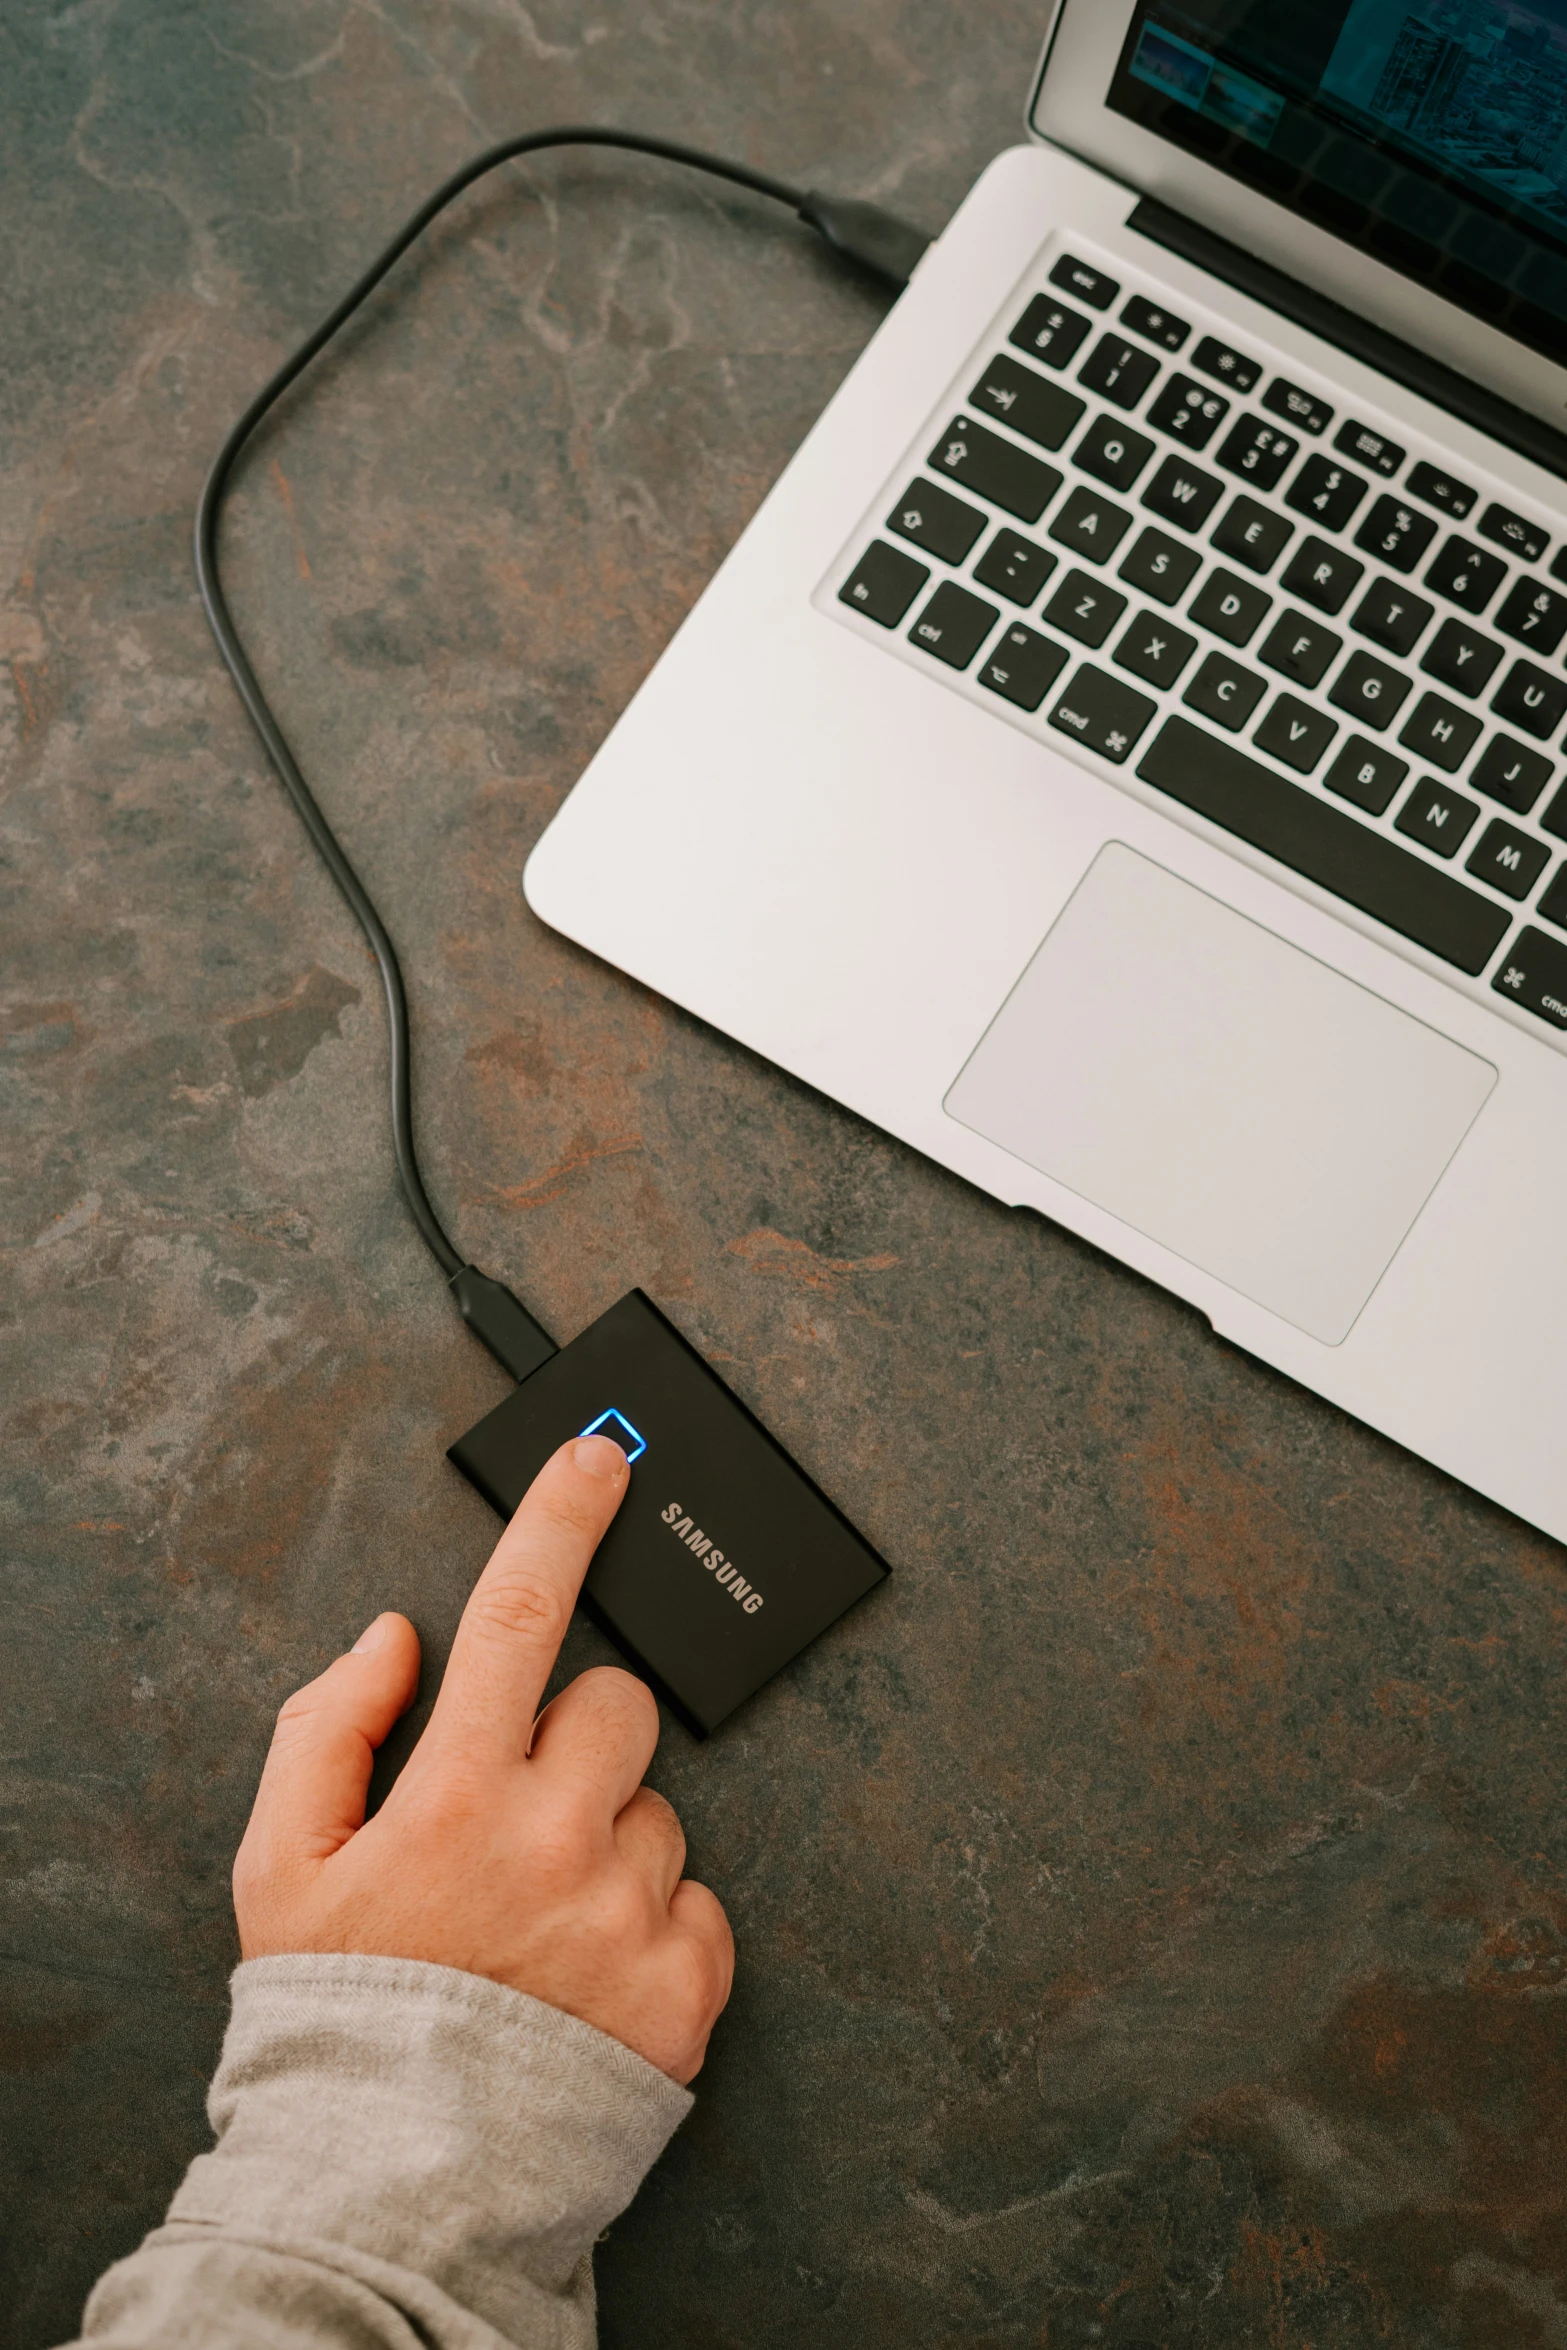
(616, 1426)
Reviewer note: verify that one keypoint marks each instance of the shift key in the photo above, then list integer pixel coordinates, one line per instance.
(992, 468)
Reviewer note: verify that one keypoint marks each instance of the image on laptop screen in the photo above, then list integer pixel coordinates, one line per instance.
(1434, 136)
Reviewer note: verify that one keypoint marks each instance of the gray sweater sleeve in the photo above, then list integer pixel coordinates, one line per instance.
(408, 2158)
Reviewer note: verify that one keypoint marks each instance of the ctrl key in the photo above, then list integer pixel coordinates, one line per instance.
(1534, 973)
(1107, 716)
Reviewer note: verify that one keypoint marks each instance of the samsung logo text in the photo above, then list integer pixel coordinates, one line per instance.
(722, 1570)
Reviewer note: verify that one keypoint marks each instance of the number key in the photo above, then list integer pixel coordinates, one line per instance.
(1188, 411)
(1397, 533)
(1118, 370)
(1466, 575)
(1535, 615)
(1259, 452)
(1329, 493)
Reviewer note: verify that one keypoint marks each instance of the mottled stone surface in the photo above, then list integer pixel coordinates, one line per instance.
(1151, 1906)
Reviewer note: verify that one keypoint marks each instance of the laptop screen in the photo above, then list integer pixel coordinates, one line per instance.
(1434, 136)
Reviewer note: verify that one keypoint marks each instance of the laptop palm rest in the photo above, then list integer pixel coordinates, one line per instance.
(1222, 1092)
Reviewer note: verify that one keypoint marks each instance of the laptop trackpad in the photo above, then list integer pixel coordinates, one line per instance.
(1222, 1092)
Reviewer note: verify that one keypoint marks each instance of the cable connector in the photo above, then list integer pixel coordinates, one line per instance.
(892, 249)
(502, 1321)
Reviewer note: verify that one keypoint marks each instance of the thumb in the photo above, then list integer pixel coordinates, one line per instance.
(312, 1793)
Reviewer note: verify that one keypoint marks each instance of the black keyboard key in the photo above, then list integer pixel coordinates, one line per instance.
(1227, 366)
(1103, 713)
(1091, 526)
(1392, 617)
(1188, 411)
(1113, 452)
(1397, 533)
(1553, 905)
(1118, 370)
(1224, 691)
(1466, 575)
(1015, 567)
(1031, 404)
(1180, 494)
(1370, 447)
(1302, 408)
(953, 625)
(1145, 318)
(993, 469)
(1230, 607)
(1300, 650)
(1370, 691)
(1531, 698)
(1023, 666)
(1336, 851)
(1559, 564)
(934, 519)
(1049, 331)
(1535, 615)
(1295, 734)
(1438, 816)
(1323, 576)
(1328, 493)
(1258, 452)
(1084, 608)
(1161, 567)
(1520, 537)
(1154, 650)
(883, 584)
(1365, 773)
(1442, 491)
(1510, 861)
(1252, 535)
(1440, 733)
(1089, 285)
(1512, 773)
(1461, 657)
(1535, 973)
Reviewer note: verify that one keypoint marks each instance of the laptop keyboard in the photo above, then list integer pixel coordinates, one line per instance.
(1134, 538)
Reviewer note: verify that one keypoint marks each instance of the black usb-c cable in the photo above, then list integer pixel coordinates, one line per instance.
(876, 240)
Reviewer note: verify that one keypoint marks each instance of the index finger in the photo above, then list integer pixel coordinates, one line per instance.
(517, 1614)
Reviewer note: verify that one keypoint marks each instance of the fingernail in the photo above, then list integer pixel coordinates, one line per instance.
(599, 1456)
(371, 1638)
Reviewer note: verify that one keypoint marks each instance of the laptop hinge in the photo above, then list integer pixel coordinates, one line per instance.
(1486, 411)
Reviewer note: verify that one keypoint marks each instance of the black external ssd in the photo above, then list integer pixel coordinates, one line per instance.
(724, 1559)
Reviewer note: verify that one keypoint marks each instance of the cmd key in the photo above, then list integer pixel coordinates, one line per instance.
(1106, 715)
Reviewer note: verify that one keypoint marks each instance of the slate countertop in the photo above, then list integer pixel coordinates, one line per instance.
(1151, 1905)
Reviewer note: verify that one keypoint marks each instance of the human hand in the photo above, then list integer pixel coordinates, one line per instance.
(524, 1849)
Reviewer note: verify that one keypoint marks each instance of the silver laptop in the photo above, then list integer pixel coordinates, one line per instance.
(1124, 756)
